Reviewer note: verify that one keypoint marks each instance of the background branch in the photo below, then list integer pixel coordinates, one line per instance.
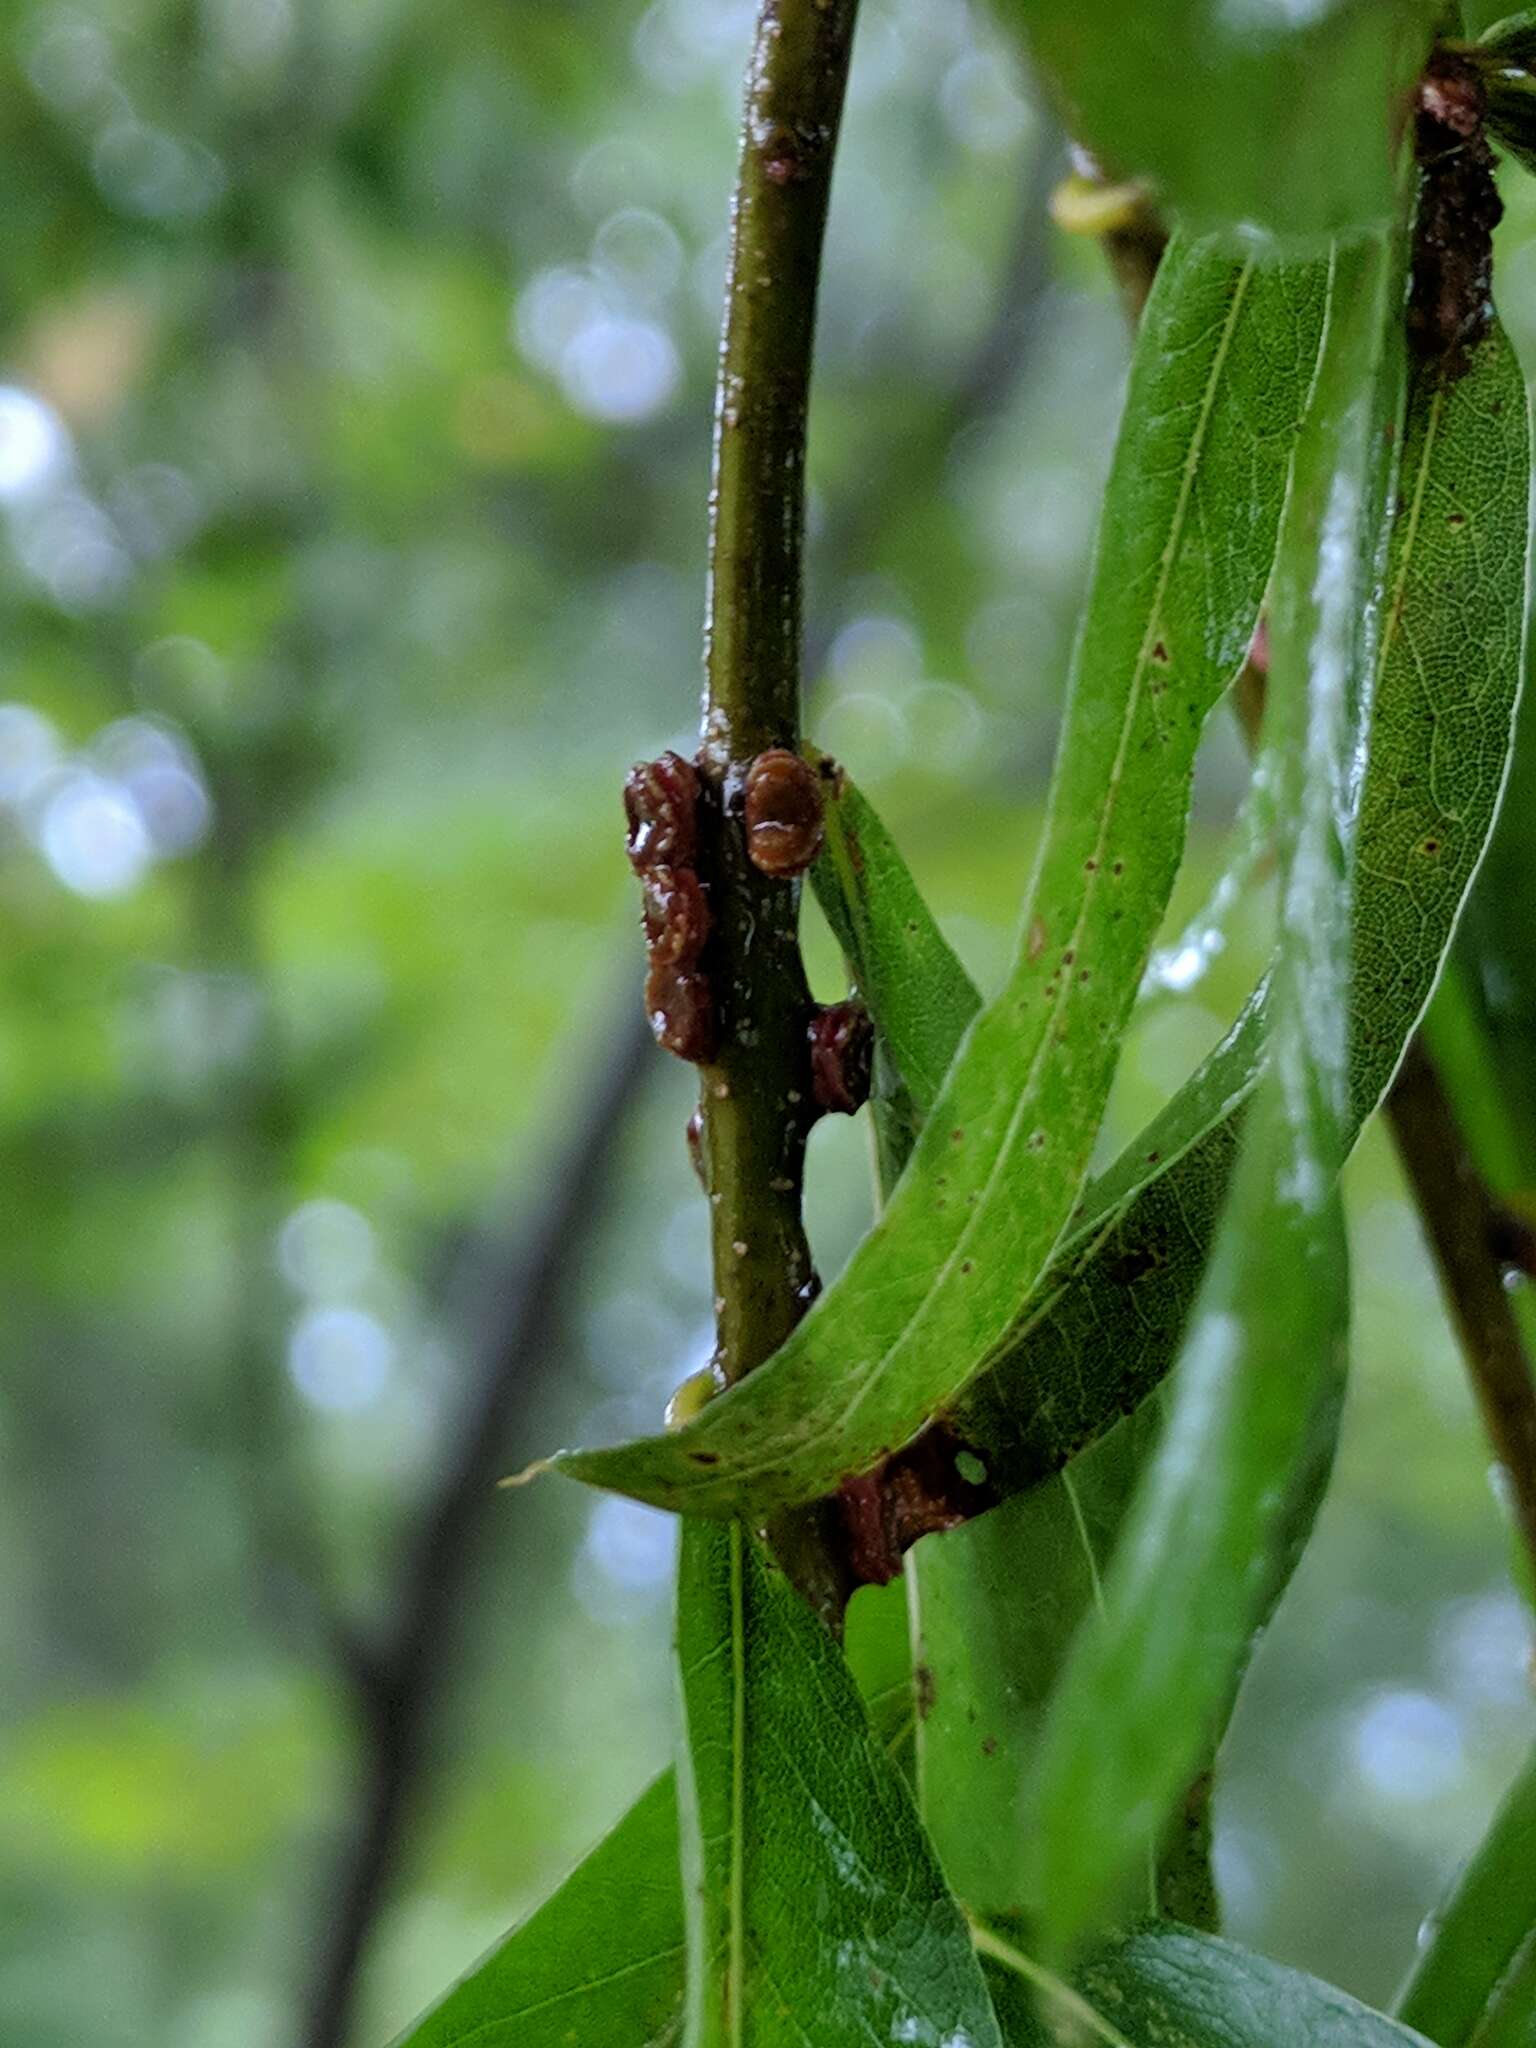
(517, 1313)
(1468, 1233)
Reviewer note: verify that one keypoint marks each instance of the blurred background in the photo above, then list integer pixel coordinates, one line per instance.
(355, 366)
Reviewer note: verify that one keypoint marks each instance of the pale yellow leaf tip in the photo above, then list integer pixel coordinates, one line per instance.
(691, 1395)
(529, 1473)
(1087, 206)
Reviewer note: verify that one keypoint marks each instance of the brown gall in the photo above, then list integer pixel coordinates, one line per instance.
(783, 813)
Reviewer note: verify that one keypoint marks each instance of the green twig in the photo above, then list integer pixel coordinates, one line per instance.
(754, 1096)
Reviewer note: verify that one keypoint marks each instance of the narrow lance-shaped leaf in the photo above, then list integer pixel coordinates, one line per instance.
(1187, 540)
(1467, 1984)
(815, 1907)
(600, 1961)
(1103, 1325)
(1261, 1368)
(918, 993)
(990, 1643)
(1180, 1990)
(987, 1648)
(995, 1603)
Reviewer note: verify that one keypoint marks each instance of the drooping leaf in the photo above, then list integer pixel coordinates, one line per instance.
(814, 1905)
(1259, 1380)
(1179, 1989)
(999, 1599)
(1185, 549)
(1245, 115)
(1468, 1984)
(603, 1955)
(1102, 1326)
(998, 1602)
(600, 1960)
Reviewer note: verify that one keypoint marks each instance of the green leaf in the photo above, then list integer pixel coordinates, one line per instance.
(1244, 115)
(989, 1656)
(1510, 2021)
(815, 1907)
(1177, 1989)
(1102, 1327)
(1505, 55)
(998, 1602)
(921, 998)
(1484, 1016)
(1473, 1981)
(1259, 1379)
(600, 1961)
(878, 1648)
(1184, 553)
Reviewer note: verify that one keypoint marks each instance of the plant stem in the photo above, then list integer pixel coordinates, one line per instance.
(1463, 1223)
(755, 1092)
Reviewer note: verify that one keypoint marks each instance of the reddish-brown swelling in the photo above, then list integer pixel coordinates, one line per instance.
(661, 803)
(681, 1008)
(1450, 301)
(783, 813)
(676, 916)
(842, 1051)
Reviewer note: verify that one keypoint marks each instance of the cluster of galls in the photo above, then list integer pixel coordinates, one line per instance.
(782, 818)
(661, 802)
(1450, 297)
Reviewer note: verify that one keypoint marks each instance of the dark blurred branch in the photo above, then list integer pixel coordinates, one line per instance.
(1471, 1237)
(519, 1307)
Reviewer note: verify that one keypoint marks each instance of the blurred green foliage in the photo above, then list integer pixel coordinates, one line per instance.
(353, 451)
